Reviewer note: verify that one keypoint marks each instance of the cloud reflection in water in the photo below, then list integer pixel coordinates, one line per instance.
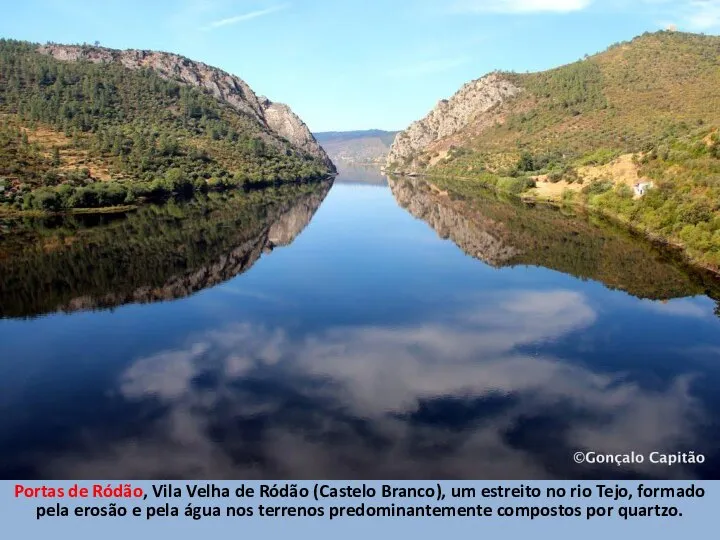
(465, 397)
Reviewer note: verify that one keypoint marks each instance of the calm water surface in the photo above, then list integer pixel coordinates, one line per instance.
(375, 330)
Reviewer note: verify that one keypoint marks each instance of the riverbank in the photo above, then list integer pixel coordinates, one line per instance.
(160, 197)
(9, 212)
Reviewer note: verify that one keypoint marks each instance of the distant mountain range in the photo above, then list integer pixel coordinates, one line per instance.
(362, 147)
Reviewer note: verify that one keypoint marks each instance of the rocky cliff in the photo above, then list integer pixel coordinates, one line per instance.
(654, 101)
(473, 103)
(276, 117)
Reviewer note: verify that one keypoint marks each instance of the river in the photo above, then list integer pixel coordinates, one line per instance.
(370, 328)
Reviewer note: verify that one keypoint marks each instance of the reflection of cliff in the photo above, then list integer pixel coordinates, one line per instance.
(475, 234)
(508, 233)
(292, 222)
(155, 254)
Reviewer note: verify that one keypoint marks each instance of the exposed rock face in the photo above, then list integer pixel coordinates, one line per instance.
(287, 124)
(466, 106)
(476, 235)
(275, 117)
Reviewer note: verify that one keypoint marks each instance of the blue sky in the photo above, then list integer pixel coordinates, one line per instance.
(358, 64)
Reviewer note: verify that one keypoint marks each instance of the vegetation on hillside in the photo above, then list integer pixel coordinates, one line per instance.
(80, 134)
(656, 97)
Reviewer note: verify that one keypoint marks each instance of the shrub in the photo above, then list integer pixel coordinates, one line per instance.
(177, 182)
(601, 156)
(514, 185)
(568, 195)
(84, 197)
(110, 193)
(597, 187)
(555, 176)
(624, 191)
(45, 199)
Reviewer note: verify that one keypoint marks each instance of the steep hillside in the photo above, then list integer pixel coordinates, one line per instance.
(363, 147)
(88, 126)
(643, 111)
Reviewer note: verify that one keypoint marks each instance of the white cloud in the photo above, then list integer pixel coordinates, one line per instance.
(245, 16)
(522, 6)
(692, 15)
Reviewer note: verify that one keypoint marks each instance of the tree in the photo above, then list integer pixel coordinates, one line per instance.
(177, 182)
(46, 199)
(526, 162)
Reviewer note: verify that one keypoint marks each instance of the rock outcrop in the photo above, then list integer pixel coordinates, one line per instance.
(277, 118)
(468, 105)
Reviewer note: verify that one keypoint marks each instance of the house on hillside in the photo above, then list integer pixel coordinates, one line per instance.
(641, 188)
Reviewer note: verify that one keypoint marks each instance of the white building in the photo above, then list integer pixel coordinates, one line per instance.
(641, 188)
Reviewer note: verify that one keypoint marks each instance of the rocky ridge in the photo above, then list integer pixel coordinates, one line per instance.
(466, 106)
(277, 118)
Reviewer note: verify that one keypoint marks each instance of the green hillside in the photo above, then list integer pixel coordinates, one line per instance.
(82, 134)
(650, 107)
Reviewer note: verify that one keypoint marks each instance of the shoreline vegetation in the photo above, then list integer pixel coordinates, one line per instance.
(158, 197)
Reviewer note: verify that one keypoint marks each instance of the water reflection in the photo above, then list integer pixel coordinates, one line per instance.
(505, 232)
(156, 253)
(371, 348)
(463, 398)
